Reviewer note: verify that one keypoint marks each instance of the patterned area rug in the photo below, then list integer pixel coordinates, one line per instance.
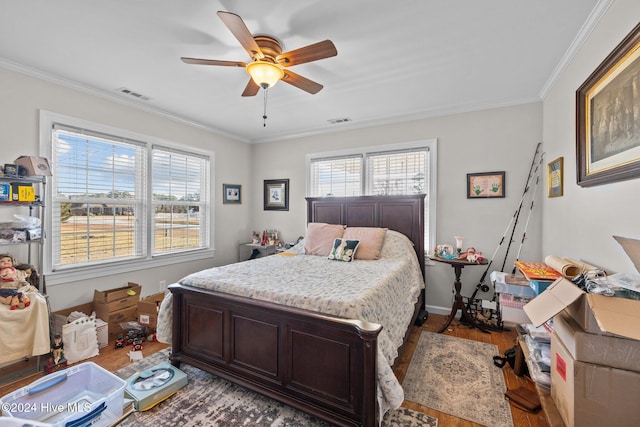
(457, 376)
(211, 401)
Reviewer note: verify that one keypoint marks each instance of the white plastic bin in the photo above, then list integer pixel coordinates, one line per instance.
(85, 394)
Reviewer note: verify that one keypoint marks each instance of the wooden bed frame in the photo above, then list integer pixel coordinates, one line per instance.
(321, 364)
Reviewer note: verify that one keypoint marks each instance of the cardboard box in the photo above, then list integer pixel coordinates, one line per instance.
(115, 318)
(539, 286)
(116, 299)
(617, 316)
(110, 295)
(621, 353)
(102, 328)
(34, 166)
(148, 310)
(5, 192)
(592, 395)
(60, 317)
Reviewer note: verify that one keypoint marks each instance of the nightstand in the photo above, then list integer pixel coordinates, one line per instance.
(246, 250)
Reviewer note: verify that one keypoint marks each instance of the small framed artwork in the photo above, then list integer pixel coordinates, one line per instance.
(231, 193)
(276, 194)
(486, 185)
(607, 105)
(555, 177)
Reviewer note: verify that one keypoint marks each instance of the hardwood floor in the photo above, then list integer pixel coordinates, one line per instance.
(112, 360)
(503, 339)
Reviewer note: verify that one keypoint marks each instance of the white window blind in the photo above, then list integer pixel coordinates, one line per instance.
(384, 170)
(336, 176)
(180, 203)
(98, 200)
(118, 202)
(401, 172)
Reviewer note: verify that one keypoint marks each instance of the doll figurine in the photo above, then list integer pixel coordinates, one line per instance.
(57, 349)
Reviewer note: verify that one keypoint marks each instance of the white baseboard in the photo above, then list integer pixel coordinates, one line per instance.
(438, 310)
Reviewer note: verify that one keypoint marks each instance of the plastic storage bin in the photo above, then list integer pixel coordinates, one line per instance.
(82, 395)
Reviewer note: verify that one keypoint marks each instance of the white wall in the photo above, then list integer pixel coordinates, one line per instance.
(581, 223)
(21, 98)
(501, 139)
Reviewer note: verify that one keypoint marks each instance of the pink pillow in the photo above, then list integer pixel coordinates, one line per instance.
(371, 239)
(319, 237)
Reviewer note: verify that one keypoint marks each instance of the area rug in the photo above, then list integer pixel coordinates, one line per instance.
(208, 400)
(457, 376)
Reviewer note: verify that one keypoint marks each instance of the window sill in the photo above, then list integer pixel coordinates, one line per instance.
(66, 276)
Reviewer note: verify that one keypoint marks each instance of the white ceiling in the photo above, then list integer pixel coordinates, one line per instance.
(396, 61)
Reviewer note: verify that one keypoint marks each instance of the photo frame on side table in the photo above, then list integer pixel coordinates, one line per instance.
(276, 194)
(607, 134)
(486, 185)
(231, 193)
(555, 177)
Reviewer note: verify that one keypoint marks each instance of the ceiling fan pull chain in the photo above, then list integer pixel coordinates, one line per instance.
(264, 116)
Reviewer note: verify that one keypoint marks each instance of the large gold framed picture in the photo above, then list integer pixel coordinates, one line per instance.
(608, 117)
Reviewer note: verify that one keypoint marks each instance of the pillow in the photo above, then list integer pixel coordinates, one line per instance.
(371, 239)
(319, 237)
(344, 250)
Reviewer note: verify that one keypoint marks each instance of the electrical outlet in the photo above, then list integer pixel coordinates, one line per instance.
(163, 285)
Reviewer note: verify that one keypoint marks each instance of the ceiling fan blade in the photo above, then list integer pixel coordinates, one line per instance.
(199, 61)
(251, 89)
(313, 52)
(301, 82)
(239, 29)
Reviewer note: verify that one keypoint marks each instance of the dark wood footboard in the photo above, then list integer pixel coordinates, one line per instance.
(322, 365)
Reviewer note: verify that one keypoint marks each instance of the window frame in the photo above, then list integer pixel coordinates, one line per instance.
(47, 119)
(431, 199)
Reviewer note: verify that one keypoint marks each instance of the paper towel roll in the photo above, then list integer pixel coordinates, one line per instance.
(568, 268)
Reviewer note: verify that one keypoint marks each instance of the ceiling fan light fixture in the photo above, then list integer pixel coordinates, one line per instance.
(264, 74)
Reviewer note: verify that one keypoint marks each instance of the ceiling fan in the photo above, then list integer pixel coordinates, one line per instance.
(269, 62)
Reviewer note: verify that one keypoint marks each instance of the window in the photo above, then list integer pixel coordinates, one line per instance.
(118, 198)
(384, 170)
(180, 214)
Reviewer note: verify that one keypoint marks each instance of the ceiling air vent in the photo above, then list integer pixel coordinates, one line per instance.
(133, 94)
(340, 120)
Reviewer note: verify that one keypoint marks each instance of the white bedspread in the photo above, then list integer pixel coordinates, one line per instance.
(383, 291)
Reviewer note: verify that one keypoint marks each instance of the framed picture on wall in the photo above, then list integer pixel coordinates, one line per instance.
(607, 127)
(486, 185)
(555, 177)
(276, 194)
(231, 193)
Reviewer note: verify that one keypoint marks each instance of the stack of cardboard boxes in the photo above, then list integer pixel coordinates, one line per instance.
(113, 308)
(117, 306)
(595, 354)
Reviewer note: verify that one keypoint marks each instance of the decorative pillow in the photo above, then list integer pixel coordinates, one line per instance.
(344, 250)
(320, 236)
(371, 239)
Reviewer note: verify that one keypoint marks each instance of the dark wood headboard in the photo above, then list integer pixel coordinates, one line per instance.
(404, 214)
